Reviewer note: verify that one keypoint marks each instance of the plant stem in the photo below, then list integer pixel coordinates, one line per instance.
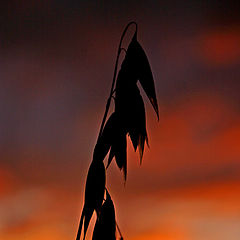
(119, 230)
(114, 77)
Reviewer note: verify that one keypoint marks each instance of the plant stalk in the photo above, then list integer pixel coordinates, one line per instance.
(114, 76)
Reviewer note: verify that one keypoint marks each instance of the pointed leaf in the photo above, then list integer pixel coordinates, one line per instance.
(119, 151)
(94, 194)
(105, 140)
(119, 146)
(135, 66)
(137, 126)
(130, 107)
(105, 227)
(146, 77)
(110, 158)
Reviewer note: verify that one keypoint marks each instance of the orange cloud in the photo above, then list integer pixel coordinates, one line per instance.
(220, 47)
(203, 132)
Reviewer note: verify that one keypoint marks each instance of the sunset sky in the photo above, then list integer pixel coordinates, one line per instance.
(56, 66)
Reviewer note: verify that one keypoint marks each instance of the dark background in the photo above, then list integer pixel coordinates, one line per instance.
(56, 67)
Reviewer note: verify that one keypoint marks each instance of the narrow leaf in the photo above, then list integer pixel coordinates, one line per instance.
(105, 140)
(94, 194)
(135, 66)
(146, 77)
(119, 151)
(105, 226)
(119, 146)
(130, 107)
(137, 127)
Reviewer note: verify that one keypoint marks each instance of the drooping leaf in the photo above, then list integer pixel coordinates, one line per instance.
(119, 151)
(105, 140)
(135, 67)
(105, 226)
(118, 144)
(137, 125)
(94, 194)
(130, 108)
(146, 77)
(142, 139)
(114, 137)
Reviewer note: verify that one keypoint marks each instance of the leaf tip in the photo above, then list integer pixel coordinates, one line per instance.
(125, 178)
(155, 106)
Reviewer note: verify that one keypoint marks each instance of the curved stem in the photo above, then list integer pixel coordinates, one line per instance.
(119, 51)
(119, 230)
(114, 76)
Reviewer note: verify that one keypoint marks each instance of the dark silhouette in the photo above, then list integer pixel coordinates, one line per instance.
(127, 119)
(105, 227)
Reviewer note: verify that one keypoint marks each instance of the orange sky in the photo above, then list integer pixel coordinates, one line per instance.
(187, 188)
(56, 67)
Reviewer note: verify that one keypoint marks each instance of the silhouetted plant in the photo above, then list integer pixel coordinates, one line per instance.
(127, 119)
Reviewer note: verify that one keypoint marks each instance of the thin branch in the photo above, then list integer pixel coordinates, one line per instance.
(114, 76)
(119, 231)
